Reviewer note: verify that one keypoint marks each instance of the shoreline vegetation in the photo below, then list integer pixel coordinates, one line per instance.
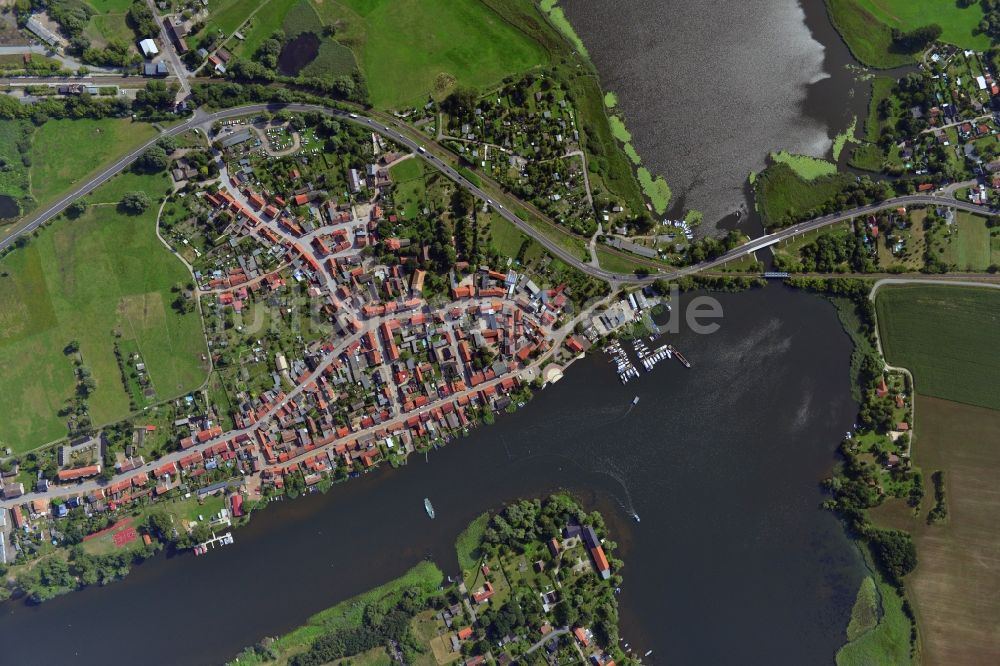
(516, 593)
(862, 481)
(655, 188)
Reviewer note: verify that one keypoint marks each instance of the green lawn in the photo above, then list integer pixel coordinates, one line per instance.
(947, 337)
(410, 189)
(467, 543)
(271, 17)
(612, 261)
(958, 25)
(67, 152)
(228, 15)
(410, 49)
(968, 245)
(868, 38)
(102, 28)
(89, 279)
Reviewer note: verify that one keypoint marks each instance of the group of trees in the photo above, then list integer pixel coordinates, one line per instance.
(915, 40)
(134, 203)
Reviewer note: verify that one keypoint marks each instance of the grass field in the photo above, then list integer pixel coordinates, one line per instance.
(612, 261)
(946, 336)
(88, 279)
(67, 152)
(804, 166)
(410, 188)
(868, 38)
(887, 643)
(409, 49)
(969, 244)
(958, 25)
(270, 17)
(425, 577)
(227, 15)
(467, 543)
(954, 585)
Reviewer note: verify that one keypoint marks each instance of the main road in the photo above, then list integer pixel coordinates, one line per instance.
(202, 118)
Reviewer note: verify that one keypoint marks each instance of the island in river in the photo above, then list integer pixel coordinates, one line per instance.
(538, 580)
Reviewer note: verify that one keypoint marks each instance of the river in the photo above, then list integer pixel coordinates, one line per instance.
(709, 88)
(733, 561)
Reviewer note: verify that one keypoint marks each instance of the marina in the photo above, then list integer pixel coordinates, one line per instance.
(648, 358)
(223, 540)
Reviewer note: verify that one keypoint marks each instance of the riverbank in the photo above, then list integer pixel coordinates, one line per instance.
(542, 579)
(671, 460)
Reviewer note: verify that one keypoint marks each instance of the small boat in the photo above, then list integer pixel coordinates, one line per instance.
(648, 652)
(635, 400)
(636, 516)
(429, 508)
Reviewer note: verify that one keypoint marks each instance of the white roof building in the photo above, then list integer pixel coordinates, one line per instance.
(148, 47)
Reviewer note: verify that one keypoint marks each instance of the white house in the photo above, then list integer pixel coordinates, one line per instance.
(148, 47)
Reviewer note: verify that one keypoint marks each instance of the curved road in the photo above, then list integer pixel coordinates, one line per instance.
(200, 117)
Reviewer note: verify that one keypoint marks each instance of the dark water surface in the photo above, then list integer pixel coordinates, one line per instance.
(8, 207)
(708, 88)
(733, 561)
(298, 53)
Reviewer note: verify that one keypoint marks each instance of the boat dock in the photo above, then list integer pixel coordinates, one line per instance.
(626, 371)
(223, 540)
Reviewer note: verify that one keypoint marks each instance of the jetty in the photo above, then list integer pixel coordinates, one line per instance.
(223, 540)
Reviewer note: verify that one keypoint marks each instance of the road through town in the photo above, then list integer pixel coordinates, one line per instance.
(202, 118)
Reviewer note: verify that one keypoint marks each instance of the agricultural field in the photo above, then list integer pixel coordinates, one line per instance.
(959, 566)
(100, 278)
(95, 144)
(409, 49)
(946, 336)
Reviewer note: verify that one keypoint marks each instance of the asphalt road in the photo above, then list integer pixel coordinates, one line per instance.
(201, 117)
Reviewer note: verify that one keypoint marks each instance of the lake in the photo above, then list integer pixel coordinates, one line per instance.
(709, 88)
(733, 561)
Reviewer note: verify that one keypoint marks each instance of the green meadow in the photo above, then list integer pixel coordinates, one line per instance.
(95, 279)
(410, 49)
(68, 152)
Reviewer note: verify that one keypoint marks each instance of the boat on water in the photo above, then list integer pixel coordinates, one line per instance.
(636, 516)
(680, 357)
(648, 652)
(635, 400)
(429, 508)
